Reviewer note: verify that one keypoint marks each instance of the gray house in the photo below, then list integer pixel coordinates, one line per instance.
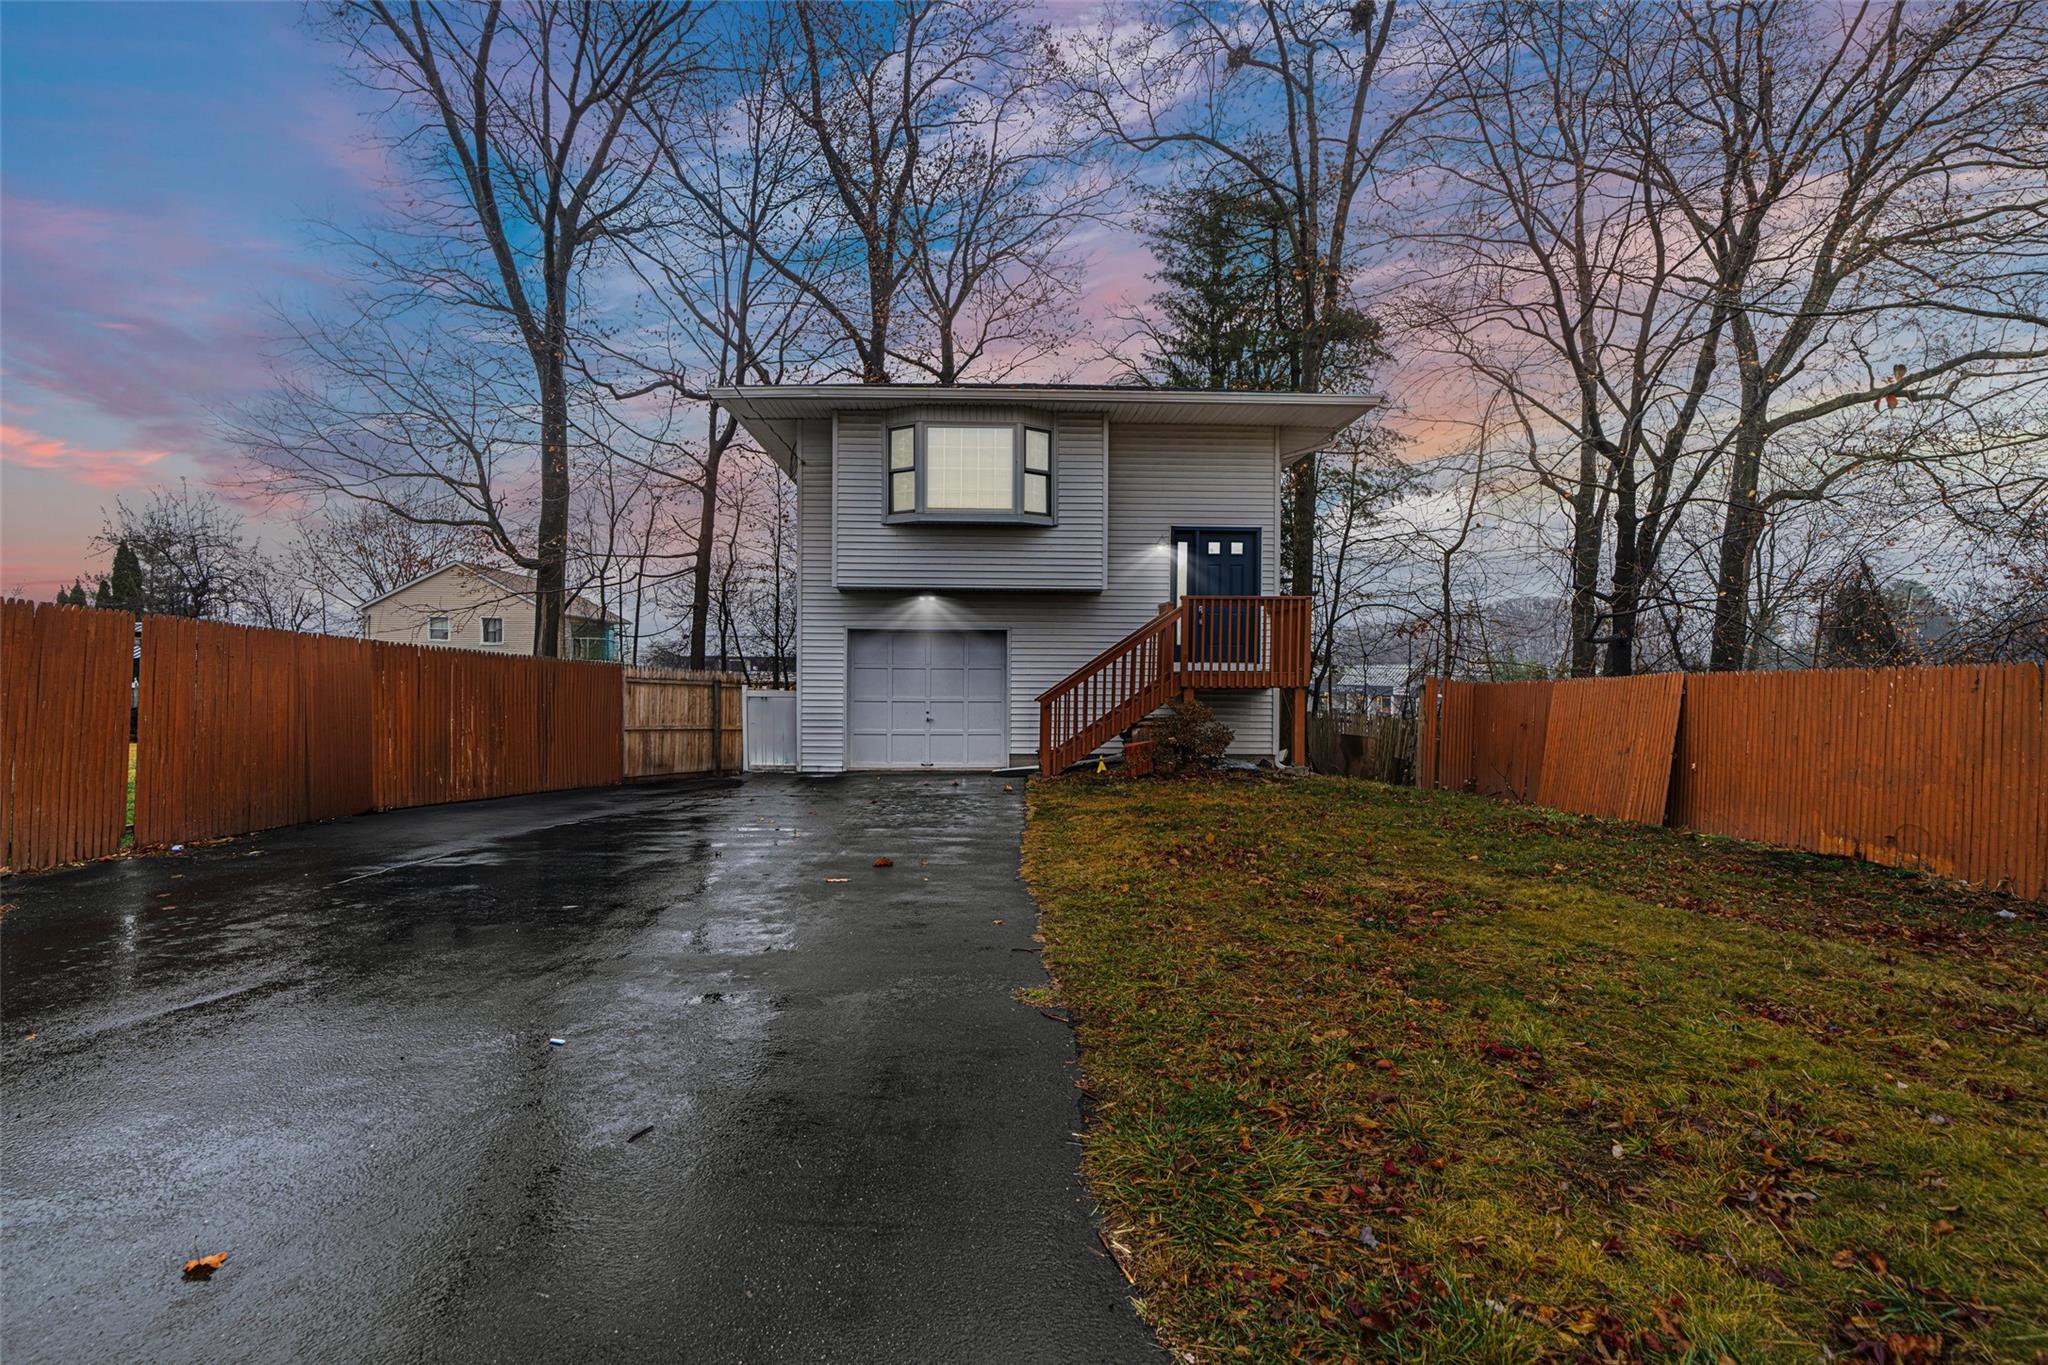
(1017, 575)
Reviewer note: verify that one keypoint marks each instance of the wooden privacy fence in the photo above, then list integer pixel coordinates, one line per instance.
(682, 723)
(64, 688)
(461, 725)
(239, 729)
(1944, 769)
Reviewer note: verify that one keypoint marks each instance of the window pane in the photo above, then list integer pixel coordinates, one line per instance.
(437, 628)
(1037, 449)
(1237, 547)
(902, 447)
(969, 468)
(1035, 499)
(494, 630)
(903, 491)
(1215, 547)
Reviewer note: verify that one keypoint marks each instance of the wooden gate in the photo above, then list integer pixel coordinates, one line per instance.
(679, 723)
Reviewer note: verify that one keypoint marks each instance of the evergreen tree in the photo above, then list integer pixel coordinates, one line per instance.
(1228, 312)
(103, 595)
(1857, 629)
(124, 589)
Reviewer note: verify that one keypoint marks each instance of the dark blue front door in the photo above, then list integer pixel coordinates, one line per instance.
(1218, 561)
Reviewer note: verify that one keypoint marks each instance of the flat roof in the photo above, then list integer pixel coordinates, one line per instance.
(1306, 421)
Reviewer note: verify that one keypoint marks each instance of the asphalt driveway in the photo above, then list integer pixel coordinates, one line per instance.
(793, 1118)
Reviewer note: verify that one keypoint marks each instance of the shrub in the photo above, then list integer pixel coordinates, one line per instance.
(1187, 737)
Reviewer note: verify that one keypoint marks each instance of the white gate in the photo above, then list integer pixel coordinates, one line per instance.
(770, 728)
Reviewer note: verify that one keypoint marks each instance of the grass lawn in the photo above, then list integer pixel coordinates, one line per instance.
(1379, 1073)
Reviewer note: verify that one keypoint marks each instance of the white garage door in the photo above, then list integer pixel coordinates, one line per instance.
(927, 699)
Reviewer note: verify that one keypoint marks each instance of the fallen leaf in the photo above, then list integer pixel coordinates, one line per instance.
(836, 881)
(202, 1268)
(885, 862)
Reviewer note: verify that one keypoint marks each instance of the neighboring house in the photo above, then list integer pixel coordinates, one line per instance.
(964, 550)
(476, 606)
(1374, 689)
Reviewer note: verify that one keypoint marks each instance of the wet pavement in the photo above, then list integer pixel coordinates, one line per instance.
(792, 1119)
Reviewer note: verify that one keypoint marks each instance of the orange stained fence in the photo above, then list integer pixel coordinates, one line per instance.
(240, 729)
(1938, 768)
(1608, 747)
(1944, 769)
(65, 675)
(461, 725)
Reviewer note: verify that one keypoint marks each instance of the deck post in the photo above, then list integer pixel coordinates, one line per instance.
(1299, 753)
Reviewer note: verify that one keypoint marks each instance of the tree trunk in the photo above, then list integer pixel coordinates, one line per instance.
(1628, 573)
(551, 579)
(1585, 592)
(707, 527)
(1741, 530)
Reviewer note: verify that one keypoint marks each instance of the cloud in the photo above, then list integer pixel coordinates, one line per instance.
(115, 468)
(146, 319)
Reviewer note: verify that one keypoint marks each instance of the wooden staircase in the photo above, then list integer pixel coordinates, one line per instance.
(1248, 643)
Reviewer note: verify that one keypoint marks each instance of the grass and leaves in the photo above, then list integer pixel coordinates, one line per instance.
(1385, 1074)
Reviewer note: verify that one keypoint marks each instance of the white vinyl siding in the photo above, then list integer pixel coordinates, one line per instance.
(1157, 478)
(868, 552)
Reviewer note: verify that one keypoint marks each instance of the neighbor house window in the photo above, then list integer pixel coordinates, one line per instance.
(437, 628)
(494, 630)
(970, 472)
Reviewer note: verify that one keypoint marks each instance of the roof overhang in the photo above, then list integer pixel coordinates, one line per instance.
(773, 414)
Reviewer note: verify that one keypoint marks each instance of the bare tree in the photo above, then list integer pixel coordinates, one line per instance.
(532, 127)
(1868, 185)
(1565, 280)
(736, 203)
(194, 557)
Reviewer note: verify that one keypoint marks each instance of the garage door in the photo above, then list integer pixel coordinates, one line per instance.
(927, 699)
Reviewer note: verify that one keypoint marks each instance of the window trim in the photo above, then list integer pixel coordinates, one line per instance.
(1014, 515)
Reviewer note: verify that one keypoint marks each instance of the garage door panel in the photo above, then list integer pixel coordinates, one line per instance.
(988, 649)
(927, 699)
(867, 649)
(868, 684)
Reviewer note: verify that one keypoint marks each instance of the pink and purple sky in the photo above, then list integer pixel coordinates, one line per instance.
(159, 164)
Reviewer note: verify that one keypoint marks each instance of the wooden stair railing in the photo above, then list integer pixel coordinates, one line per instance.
(1110, 693)
(1204, 642)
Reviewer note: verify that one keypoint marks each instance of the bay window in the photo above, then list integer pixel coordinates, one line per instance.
(959, 472)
